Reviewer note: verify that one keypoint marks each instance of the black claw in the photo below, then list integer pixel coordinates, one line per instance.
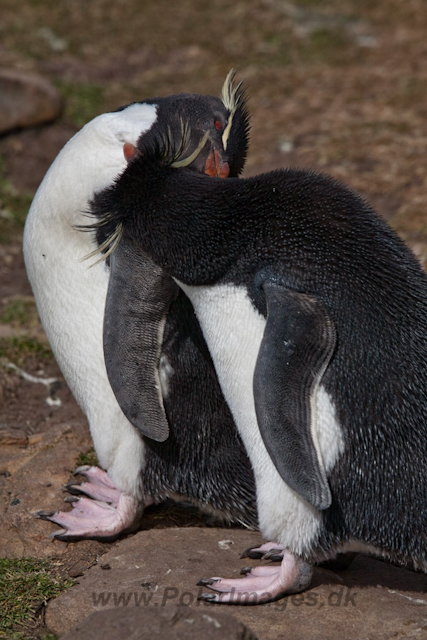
(276, 558)
(43, 515)
(207, 597)
(81, 470)
(252, 554)
(245, 571)
(71, 499)
(206, 582)
(63, 536)
(72, 488)
(273, 553)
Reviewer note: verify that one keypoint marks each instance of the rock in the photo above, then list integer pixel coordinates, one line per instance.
(158, 568)
(13, 436)
(152, 569)
(26, 100)
(35, 149)
(31, 479)
(171, 622)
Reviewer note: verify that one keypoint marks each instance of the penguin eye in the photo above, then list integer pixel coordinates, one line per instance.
(218, 125)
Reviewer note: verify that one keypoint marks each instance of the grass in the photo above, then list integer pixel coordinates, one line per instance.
(89, 458)
(14, 207)
(20, 312)
(17, 349)
(26, 584)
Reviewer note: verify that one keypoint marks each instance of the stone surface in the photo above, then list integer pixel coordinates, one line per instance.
(26, 100)
(31, 479)
(171, 622)
(370, 600)
(13, 436)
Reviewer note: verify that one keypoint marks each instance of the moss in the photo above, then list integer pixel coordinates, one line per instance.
(20, 312)
(26, 584)
(89, 458)
(17, 349)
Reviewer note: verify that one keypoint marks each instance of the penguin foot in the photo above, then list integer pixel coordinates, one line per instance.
(267, 551)
(95, 519)
(261, 584)
(99, 485)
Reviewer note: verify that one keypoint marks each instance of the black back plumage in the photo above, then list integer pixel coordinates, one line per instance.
(312, 235)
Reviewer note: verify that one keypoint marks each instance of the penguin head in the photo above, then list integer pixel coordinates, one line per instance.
(204, 134)
(184, 120)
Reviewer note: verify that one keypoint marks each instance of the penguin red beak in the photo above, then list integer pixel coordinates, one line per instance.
(214, 167)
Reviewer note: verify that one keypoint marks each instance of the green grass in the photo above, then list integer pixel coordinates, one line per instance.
(19, 313)
(89, 458)
(26, 584)
(17, 349)
(13, 209)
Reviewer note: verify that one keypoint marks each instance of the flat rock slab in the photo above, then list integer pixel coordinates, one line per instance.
(171, 622)
(32, 473)
(371, 599)
(26, 100)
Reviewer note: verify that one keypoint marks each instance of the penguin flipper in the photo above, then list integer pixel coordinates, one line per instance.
(298, 342)
(138, 298)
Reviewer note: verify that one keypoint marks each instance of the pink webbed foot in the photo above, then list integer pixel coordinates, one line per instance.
(104, 515)
(261, 584)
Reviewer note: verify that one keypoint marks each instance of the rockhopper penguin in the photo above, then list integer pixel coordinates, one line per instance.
(125, 337)
(315, 315)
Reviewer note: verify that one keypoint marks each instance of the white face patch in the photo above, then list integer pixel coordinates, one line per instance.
(233, 330)
(70, 296)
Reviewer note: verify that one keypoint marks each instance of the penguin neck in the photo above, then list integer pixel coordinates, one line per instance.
(180, 218)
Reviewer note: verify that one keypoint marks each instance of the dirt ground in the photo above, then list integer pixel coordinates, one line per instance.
(336, 86)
